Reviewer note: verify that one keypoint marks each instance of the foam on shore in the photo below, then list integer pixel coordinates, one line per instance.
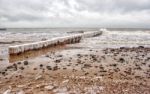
(53, 42)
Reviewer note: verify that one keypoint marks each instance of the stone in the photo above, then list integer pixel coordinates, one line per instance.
(8, 91)
(49, 87)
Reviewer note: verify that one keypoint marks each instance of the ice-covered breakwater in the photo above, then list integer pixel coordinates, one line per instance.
(52, 42)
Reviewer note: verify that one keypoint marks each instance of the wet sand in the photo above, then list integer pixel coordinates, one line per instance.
(88, 67)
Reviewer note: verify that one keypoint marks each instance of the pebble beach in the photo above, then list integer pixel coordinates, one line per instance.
(116, 62)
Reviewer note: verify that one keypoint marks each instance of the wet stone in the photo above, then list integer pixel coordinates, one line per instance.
(55, 68)
(87, 65)
(64, 68)
(114, 65)
(49, 67)
(86, 73)
(41, 65)
(19, 63)
(3, 73)
(25, 62)
(22, 68)
(57, 61)
(46, 55)
(34, 68)
(121, 60)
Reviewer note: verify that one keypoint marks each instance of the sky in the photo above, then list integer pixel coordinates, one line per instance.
(75, 13)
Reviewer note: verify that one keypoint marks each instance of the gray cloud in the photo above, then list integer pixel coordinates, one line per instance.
(70, 13)
(115, 5)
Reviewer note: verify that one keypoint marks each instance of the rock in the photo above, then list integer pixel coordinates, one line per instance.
(20, 92)
(20, 86)
(7, 91)
(55, 68)
(101, 88)
(49, 87)
(41, 65)
(38, 77)
(141, 47)
(121, 60)
(22, 68)
(65, 81)
(57, 61)
(62, 90)
(46, 55)
(49, 67)
(25, 62)
(87, 65)
(43, 39)
(19, 63)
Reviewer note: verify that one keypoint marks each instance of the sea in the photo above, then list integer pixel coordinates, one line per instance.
(110, 38)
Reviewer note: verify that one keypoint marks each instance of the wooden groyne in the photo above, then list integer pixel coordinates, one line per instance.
(52, 42)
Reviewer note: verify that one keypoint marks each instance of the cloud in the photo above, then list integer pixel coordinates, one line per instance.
(74, 13)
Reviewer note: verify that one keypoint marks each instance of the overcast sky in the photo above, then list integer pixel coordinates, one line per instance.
(75, 13)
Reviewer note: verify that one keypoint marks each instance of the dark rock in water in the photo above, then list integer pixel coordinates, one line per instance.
(121, 60)
(95, 74)
(141, 47)
(122, 47)
(60, 56)
(19, 63)
(43, 39)
(5, 70)
(9, 67)
(64, 68)
(90, 50)
(79, 61)
(113, 65)
(138, 77)
(79, 55)
(86, 73)
(22, 68)
(15, 67)
(1, 59)
(87, 65)
(46, 55)
(49, 67)
(96, 66)
(41, 65)
(138, 68)
(127, 72)
(103, 57)
(55, 68)
(34, 68)
(102, 71)
(58, 61)
(25, 62)
(3, 73)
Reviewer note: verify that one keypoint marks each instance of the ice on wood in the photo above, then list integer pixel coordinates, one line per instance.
(50, 43)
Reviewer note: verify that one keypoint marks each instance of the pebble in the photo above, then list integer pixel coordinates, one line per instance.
(7, 91)
(25, 62)
(20, 92)
(49, 87)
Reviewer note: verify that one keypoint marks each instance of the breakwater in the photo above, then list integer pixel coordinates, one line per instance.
(52, 42)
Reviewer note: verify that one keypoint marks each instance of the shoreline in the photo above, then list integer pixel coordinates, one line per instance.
(107, 68)
(90, 66)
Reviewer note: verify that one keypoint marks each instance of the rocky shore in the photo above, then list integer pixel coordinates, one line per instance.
(114, 63)
(73, 71)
